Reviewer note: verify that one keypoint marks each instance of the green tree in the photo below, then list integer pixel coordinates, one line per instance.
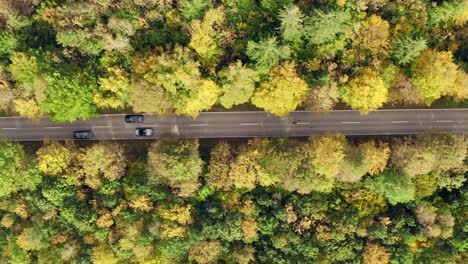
(324, 27)
(193, 9)
(407, 49)
(365, 92)
(275, 95)
(113, 89)
(238, 84)
(178, 74)
(292, 21)
(17, 171)
(70, 96)
(266, 53)
(393, 185)
(176, 163)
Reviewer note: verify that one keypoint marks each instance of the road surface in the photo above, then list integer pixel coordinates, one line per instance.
(246, 124)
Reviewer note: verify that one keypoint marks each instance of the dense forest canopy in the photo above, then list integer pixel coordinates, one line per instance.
(326, 199)
(70, 59)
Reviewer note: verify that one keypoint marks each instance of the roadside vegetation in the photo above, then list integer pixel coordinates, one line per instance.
(327, 199)
(70, 59)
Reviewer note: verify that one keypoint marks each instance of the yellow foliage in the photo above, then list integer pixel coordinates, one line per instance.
(327, 153)
(375, 254)
(103, 254)
(249, 228)
(172, 230)
(28, 108)
(373, 34)
(375, 156)
(54, 158)
(206, 96)
(283, 91)
(141, 203)
(242, 173)
(435, 75)
(366, 92)
(205, 39)
(177, 213)
(113, 90)
(105, 220)
(205, 252)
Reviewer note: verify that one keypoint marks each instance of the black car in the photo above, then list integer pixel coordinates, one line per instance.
(144, 132)
(134, 119)
(85, 134)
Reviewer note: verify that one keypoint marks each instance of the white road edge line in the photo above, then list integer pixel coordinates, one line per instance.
(198, 124)
(444, 121)
(350, 122)
(249, 124)
(400, 121)
(9, 128)
(99, 126)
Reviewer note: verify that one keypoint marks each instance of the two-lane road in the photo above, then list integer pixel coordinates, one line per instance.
(247, 124)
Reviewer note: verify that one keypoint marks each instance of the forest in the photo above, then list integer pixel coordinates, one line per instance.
(325, 199)
(73, 59)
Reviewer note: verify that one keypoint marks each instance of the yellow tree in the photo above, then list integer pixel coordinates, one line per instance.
(205, 39)
(435, 75)
(373, 35)
(205, 252)
(55, 158)
(327, 153)
(283, 91)
(219, 167)
(366, 92)
(113, 90)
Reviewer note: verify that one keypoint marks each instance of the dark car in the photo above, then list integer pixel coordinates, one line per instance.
(85, 134)
(144, 132)
(134, 119)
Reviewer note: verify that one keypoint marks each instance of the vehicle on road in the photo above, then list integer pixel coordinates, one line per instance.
(144, 132)
(84, 134)
(134, 119)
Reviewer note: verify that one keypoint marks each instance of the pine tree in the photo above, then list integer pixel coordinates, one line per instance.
(408, 49)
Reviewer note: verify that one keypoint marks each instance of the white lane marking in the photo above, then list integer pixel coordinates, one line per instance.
(350, 122)
(249, 124)
(9, 128)
(444, 121)
(100, 126)
(153, 125)
(198, 124)
(52, 127)
(400, 121)
(303, 123)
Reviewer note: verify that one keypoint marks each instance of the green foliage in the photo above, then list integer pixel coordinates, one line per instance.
(393, 185)
(193, 9)
(323, 27)
(16, 170)
(407, 49)
(238, 84)
(8, 43)
(266, 53)
(70, 96)
(292, 26)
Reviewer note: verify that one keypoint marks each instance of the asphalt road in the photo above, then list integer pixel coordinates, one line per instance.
(246, 124)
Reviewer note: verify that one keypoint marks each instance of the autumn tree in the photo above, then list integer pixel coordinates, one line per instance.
(275, 95)
(113, 91)
(327, 153)
(322, 97)
(205, 252)
(373, 35)
(56, 159)
(374, 253)
(237, 84)
(205, 39)
(219, 167)
(178, 74)
(104, 160)
(176, 163)
(434, 75)
(365, 92)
